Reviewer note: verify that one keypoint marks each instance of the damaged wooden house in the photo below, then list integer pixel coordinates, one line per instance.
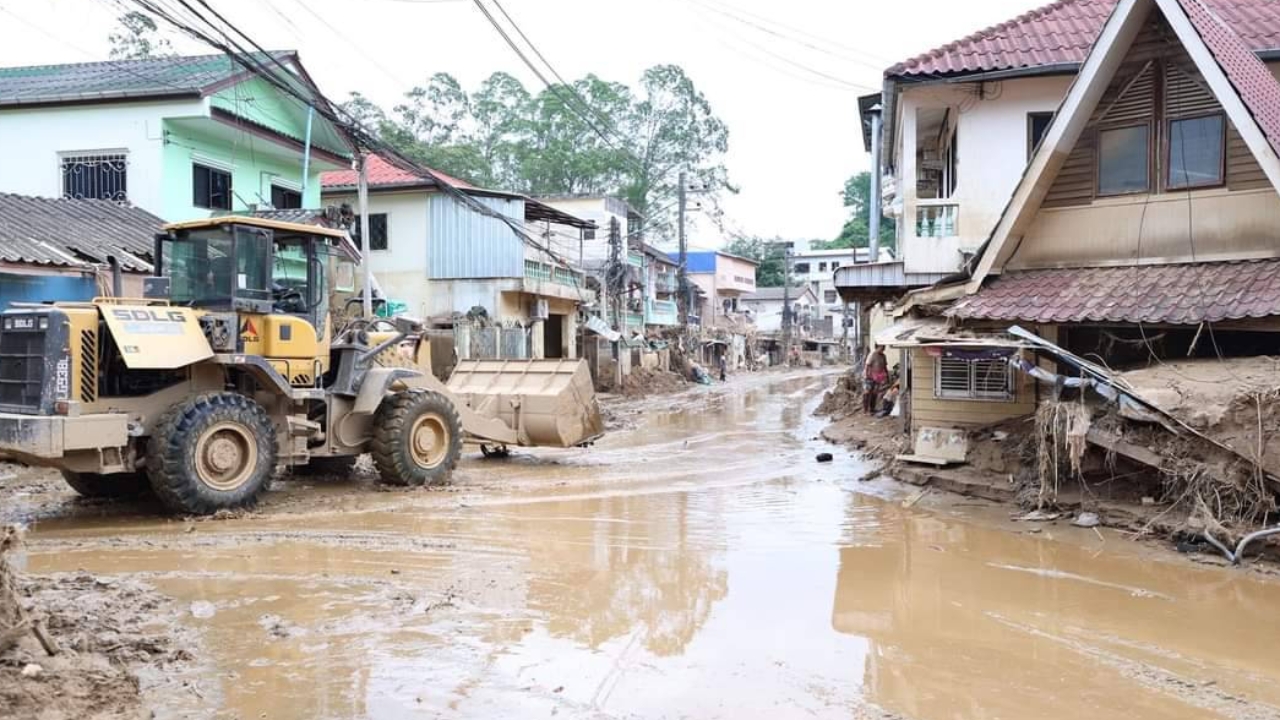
(1139, 252)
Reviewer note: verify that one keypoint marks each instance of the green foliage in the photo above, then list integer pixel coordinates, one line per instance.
(769, 253)
(137, 38)
(856, 231)
(502, 136)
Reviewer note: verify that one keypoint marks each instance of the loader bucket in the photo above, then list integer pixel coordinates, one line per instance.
(550, 403)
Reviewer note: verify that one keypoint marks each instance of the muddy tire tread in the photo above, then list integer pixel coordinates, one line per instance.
(171, 468)
(389, 447)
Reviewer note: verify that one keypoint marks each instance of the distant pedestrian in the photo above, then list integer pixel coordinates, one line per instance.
(724, 368)
(875, 376)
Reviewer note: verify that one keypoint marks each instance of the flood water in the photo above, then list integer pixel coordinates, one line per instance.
(700, 565)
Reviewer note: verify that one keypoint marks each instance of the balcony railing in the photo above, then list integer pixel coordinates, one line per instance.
(665, 283)
(634, 321)
(635, 259)
(937, 218)
(661, 312)
(546, 272)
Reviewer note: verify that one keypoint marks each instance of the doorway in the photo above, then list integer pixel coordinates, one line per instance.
(553, 336)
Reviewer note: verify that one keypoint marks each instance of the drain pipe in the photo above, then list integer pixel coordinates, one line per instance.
(117, 277)
(1235, 557)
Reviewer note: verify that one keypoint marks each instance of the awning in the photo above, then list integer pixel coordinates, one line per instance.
(1187, 293)
(908, 330)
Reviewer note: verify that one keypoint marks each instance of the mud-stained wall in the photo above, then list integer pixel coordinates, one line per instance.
(930, 411)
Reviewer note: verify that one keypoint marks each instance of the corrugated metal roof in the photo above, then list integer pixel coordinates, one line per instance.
(1061, 33)
(1188, 293)
(70, 233)
(1255, 84)
(119, 79)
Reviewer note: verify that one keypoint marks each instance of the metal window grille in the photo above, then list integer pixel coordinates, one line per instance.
(981, 380)
(96, 176)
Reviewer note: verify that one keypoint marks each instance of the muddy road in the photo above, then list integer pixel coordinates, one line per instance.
(698, 564)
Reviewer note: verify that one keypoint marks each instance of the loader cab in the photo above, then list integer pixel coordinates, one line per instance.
(255, 266)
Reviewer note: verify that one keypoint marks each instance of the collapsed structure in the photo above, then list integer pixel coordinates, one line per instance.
(1134, 265)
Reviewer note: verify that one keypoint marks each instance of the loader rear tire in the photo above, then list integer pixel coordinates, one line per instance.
(417, 438)
(214, 452)
(116, 485)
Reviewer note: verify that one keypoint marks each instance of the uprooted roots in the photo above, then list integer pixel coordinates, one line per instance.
(1209, 486)
(1061, 429)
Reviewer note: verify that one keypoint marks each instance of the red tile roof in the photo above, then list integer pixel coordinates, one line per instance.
(1255, 84)
(383, 174)
(1184, 294)
(1063, 32)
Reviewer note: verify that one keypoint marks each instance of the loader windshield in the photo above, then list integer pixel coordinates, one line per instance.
(217, 268)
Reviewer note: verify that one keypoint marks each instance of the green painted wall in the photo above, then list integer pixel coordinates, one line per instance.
(258, 101)
(251, 171)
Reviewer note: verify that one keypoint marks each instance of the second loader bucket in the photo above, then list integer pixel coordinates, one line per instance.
(549, 403)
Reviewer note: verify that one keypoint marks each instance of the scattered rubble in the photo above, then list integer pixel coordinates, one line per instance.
(101, 635)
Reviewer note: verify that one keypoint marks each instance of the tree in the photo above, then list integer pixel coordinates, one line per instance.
(137, 38)
(591, 137)
(771, 255)
(856, 232)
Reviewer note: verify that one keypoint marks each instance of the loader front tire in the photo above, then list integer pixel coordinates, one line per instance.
(417, 438)
(97, 485)
(214, 452)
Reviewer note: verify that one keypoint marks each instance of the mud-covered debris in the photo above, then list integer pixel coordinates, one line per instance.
(31, 670)
(203, 609)
(1087, 520)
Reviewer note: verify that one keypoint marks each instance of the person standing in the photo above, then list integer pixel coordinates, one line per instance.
(875, 376)
(724, 367)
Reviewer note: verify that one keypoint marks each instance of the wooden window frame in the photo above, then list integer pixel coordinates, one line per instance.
(1152, 171)
(1167, 151)
(1031, 116)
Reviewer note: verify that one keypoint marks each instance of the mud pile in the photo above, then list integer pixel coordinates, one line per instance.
(72, 645)
(842, 400)
(1233, 401)
(652, 381)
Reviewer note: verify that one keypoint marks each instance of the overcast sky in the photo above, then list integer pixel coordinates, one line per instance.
(784, 76)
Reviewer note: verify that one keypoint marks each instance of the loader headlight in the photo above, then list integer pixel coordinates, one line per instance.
(8, 323)
(44, 322)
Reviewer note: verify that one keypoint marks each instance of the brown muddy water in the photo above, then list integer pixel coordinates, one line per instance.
(698, 565)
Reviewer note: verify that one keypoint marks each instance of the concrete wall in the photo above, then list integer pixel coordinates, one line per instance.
(735, 275)
(401, 269)
(33, 139)
(253, 169)
(992, 144)
(160, 140)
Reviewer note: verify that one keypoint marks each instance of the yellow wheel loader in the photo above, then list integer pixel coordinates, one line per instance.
(239, 362)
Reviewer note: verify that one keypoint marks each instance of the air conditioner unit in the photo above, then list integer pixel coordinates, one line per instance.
(538, 310)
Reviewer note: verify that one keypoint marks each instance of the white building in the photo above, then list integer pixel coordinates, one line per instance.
(817, 269)
(180, 137)
(765, 306)
(959, 123)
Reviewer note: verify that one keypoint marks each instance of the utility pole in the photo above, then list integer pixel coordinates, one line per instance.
(873, 202)
(362, 166)
(682, 270)
(786, 307)
(616, 280)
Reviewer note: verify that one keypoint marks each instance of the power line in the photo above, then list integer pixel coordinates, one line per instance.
(798, 65)
(801, 31)
(732, 15)
(554, 89)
